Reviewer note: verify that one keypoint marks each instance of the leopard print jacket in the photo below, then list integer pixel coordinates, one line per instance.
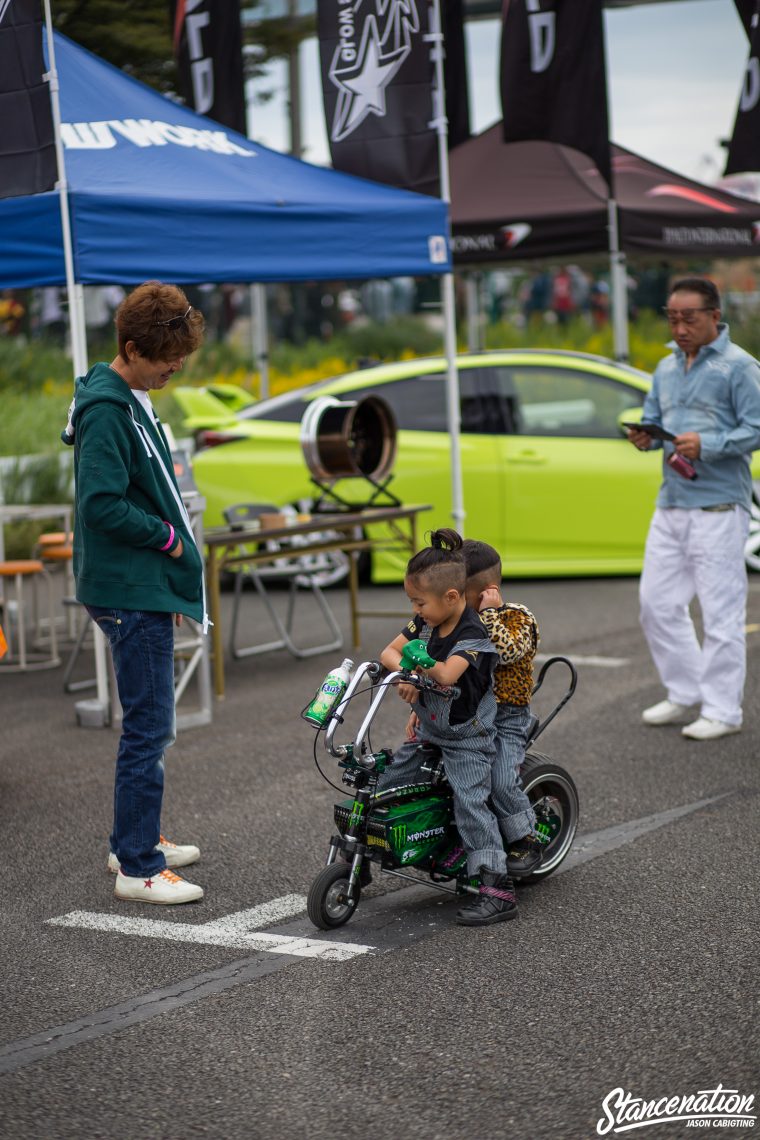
(514, 631)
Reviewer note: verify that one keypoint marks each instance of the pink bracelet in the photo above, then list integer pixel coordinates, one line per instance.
(171, 536)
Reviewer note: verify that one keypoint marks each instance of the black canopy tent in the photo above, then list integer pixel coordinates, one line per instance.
(517, 201)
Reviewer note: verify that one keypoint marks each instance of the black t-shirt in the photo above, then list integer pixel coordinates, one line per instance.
(475, 680)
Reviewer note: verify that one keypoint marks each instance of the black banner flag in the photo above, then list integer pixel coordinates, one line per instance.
(553, 76)
(746, 10)
(744, 148)
(208, 47)
(377, 85)
(27, 145)
(455, 72)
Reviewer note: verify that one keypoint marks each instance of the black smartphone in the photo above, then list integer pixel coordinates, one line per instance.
(654, 430)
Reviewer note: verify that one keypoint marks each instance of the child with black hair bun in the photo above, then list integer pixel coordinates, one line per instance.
(463, 727)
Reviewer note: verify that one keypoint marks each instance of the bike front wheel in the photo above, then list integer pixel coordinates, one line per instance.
(327, 903)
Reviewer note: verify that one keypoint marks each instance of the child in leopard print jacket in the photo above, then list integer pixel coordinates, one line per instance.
(514, 632)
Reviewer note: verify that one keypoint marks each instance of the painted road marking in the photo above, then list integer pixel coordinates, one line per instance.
(239, 931)
(587, 847)
(26, 1051)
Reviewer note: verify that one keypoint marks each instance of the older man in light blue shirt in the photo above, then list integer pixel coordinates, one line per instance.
(705, 401)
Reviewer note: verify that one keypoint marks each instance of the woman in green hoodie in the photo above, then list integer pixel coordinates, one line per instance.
(138, 569)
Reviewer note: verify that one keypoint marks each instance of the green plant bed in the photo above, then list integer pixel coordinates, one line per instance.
(34, 479)
(36, 384)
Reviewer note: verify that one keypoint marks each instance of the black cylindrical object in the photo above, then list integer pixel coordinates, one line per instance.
(346, 439)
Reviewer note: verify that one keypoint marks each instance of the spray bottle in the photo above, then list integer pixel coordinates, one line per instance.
(329, 694)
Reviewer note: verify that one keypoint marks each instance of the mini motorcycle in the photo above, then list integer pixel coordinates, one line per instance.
(412, 828)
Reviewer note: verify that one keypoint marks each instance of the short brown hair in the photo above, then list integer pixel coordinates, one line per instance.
(138, 319)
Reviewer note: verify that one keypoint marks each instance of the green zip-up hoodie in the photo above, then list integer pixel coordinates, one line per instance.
(123, 504)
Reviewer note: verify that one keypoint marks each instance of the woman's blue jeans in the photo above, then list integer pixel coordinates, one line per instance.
(142, 647)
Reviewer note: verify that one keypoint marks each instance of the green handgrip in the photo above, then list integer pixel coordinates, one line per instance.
(415, 653)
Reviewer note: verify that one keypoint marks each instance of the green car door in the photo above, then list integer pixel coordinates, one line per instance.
(577, 496)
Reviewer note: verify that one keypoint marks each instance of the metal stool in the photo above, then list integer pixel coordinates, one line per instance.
(21, 657)
(83, 641)
(55, 551)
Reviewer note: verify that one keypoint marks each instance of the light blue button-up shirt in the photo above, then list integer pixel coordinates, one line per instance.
(719, 397)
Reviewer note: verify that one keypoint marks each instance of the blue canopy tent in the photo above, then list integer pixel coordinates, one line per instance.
(157, 191)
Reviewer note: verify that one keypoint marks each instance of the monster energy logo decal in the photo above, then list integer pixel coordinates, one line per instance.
(398, 835)
(544, 832)
(357, 811)
(429, 833)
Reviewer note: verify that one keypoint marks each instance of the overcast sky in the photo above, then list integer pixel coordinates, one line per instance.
(674, 72)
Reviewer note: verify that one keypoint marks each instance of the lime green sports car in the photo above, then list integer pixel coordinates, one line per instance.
(549, 478)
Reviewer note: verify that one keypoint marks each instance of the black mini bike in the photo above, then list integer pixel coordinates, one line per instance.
(412, 827)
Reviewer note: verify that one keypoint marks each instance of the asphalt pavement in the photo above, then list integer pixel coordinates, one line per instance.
(634, 968)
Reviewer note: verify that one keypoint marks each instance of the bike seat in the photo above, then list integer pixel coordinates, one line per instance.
(430, 760)
(428, 750)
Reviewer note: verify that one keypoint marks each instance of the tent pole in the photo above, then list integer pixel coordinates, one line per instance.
(618, 285)
(472, 293)
(75, 296)
(441, 125)
(73, 291)
(260, 337)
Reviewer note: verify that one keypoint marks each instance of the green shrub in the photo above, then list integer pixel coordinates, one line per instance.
(36, 379)
(40, 479)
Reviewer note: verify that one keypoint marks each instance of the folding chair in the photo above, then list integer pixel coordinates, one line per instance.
(300, 572)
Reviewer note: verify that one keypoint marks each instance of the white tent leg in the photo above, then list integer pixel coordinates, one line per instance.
(440, 123)
(475, 342)
(73, 291)
(260, 337)
(618, 285)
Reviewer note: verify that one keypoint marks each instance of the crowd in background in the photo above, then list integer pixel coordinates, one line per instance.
(553, 295)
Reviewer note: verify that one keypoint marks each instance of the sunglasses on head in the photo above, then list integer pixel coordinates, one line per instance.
(176, 322)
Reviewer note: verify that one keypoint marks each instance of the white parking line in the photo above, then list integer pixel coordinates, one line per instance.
(238, 930)
(142, 1008)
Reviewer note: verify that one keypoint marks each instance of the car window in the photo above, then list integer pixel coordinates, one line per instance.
(487, 395)
(282, 409)
(418, 402)
(563, 402)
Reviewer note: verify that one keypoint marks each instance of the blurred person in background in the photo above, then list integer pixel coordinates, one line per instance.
(706, 394)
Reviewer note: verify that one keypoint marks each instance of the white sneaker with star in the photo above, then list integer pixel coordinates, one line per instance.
(162, 889)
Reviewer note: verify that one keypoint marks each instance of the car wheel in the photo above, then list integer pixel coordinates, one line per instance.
(752, 545)
(327, 569)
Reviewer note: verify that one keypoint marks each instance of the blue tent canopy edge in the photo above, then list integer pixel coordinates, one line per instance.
(157, 191)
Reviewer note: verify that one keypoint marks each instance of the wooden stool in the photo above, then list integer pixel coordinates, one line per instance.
(54, 538)
(20, 657)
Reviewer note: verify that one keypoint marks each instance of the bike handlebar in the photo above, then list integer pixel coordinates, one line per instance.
(373, 670)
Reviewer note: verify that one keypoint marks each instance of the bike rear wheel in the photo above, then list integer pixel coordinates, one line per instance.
(554, 798)
(327, 903)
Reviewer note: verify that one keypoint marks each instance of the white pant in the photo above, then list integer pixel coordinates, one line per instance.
(688, 553)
